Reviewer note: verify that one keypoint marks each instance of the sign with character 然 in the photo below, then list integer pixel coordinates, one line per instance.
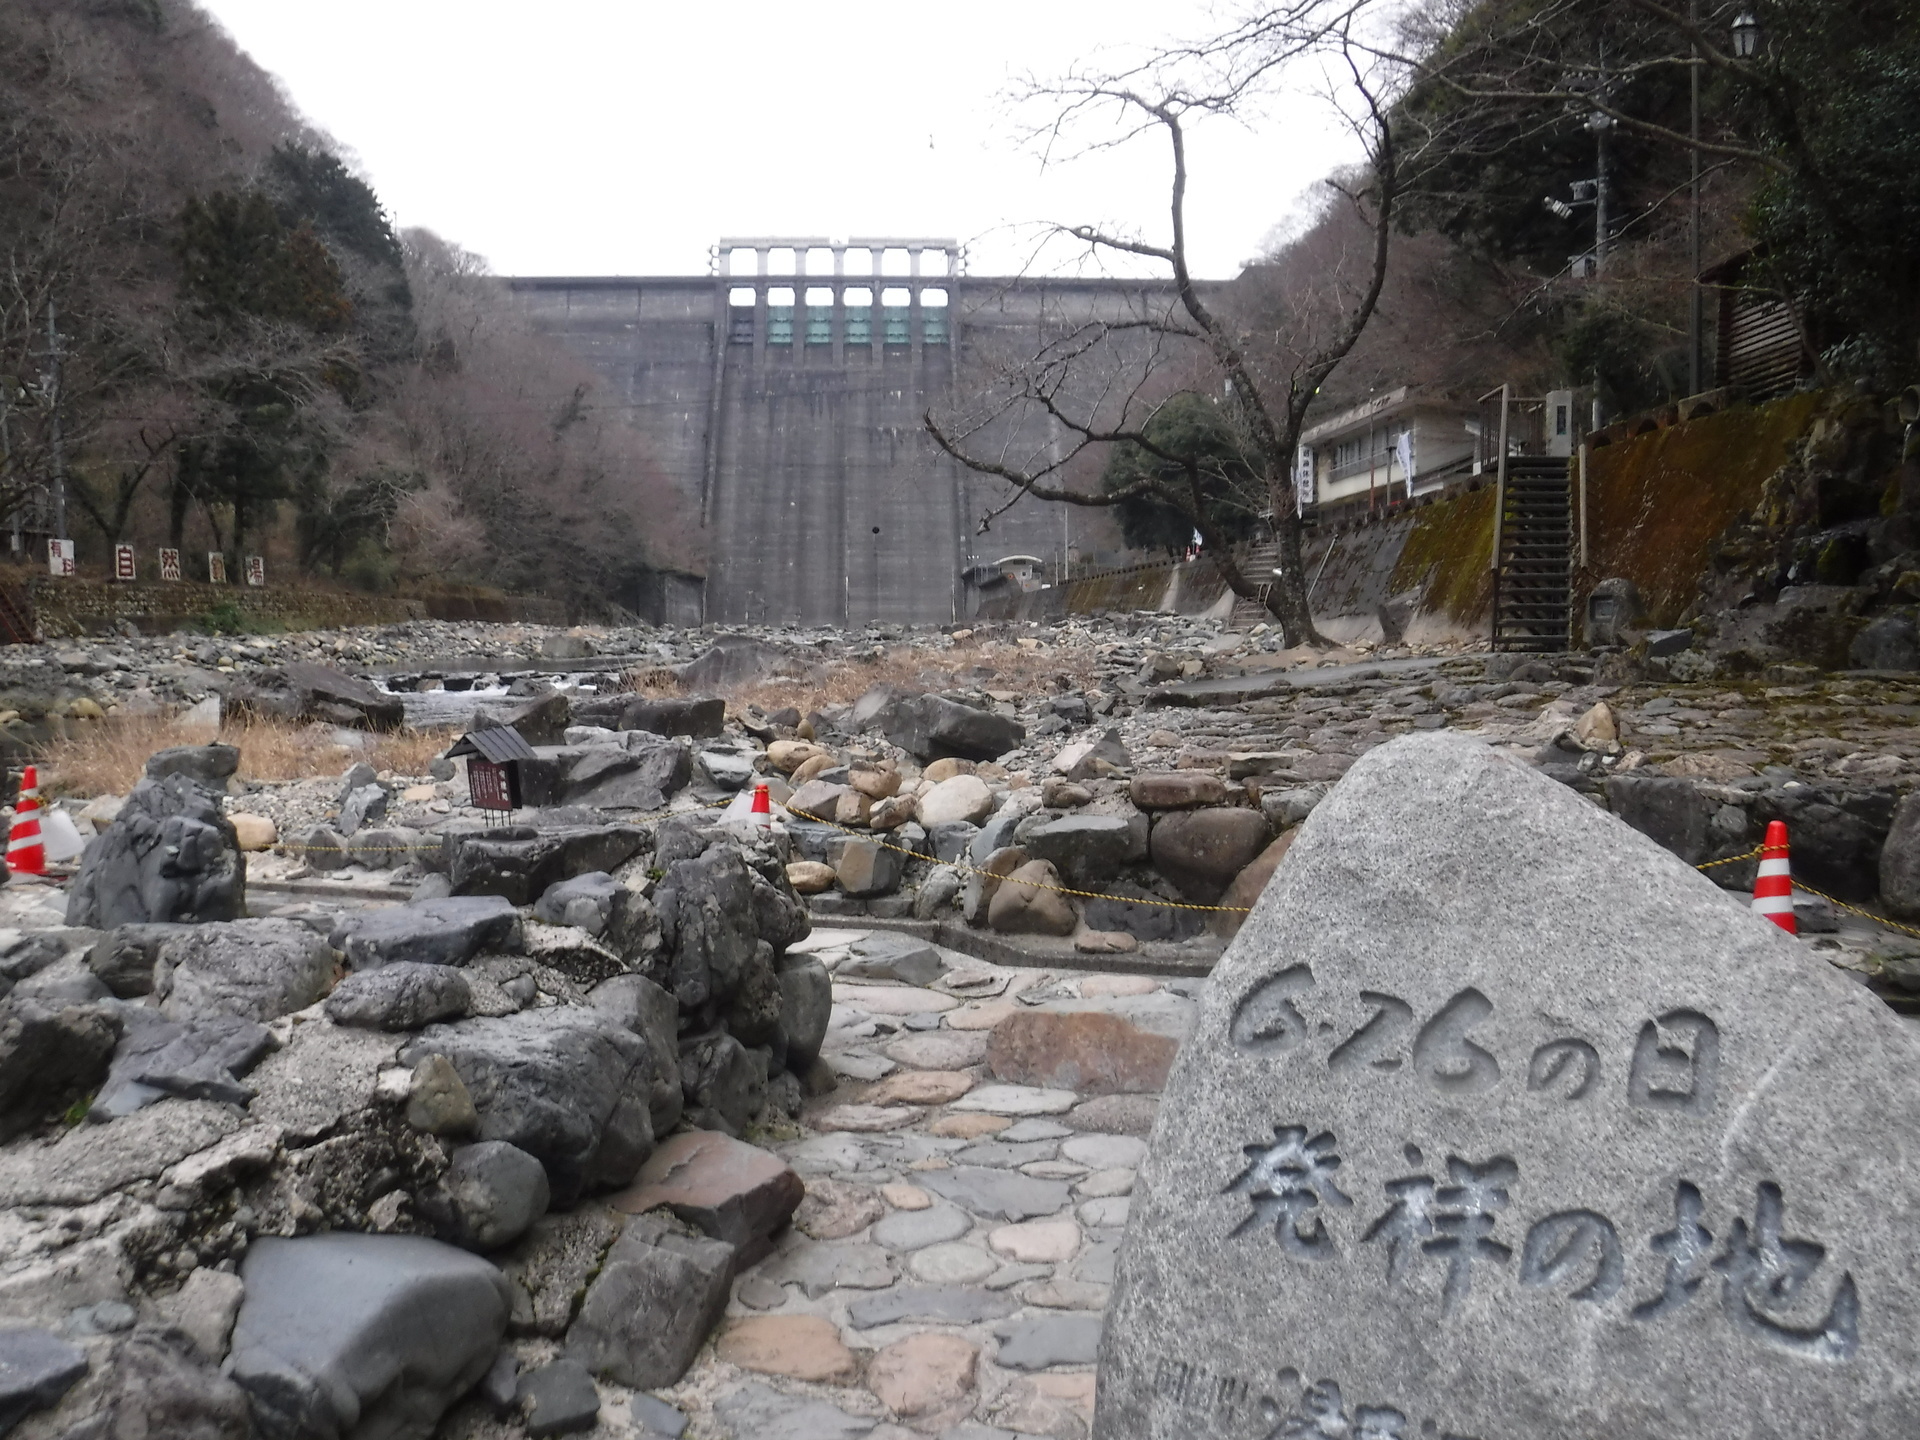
(170, 565)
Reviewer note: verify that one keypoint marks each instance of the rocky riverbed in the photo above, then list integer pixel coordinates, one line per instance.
(827, 1130)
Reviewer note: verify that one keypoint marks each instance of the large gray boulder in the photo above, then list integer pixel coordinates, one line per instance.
(169, 855)
(651, 1013)
(806, 1008)
(642, 776)
(253, 969)
(363, 1335)
(521, 862)
(428, 932)
(1516, 1124)
(567, 1084)
(400, 996)
(657, 1297)
(603, 907)
(491, 1193)
(50, 1056)
(1202, 850)
(211, 765)
(708, 921)
(1900, 860)
(932, 727)
(1085, 849)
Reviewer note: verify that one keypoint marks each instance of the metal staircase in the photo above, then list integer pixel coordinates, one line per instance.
(1532, 578)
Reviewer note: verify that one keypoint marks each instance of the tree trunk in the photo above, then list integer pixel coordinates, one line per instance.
(1288, 600)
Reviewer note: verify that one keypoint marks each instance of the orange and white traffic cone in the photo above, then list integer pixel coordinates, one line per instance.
(1773, 886)
(762, 813)
(26, 854)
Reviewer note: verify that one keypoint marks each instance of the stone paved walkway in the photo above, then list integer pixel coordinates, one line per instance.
(948, 1271)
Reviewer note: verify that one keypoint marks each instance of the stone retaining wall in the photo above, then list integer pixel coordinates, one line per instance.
(91, 607)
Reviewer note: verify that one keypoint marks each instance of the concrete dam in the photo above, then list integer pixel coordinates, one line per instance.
(789, 406)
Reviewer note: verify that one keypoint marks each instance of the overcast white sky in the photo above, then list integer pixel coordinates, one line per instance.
(626, 136)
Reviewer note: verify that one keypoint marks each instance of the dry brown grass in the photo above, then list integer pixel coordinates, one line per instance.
(989, 665)
(106, 757)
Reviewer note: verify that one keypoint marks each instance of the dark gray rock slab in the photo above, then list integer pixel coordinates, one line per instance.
(932, 727)
(607, 777)
(656, 1299)
(997, 1194)
(400, 996)
(558, 1398)
(1889, 643)
(1517, 1121)
(567, 1084)
(700, 716)
(253, 969)
(36, 1369)
(339, 699)
(203, 1059)
(521, 863)
(169, 855)
(931, 1304)
(1900, 860)
(732, 660)
(429, 932)
(345, 1334)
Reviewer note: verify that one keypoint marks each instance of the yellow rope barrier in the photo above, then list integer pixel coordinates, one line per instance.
(1754, 854)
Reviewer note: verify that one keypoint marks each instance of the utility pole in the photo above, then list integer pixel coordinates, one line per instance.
(1696, 312)
(53, 399)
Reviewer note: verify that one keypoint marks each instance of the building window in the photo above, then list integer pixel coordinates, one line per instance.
(740, 315)
(859, 303)
(819, 316)
(895, 310)
(780, 316)
(933, 317)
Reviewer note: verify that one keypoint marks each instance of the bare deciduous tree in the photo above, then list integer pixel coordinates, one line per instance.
(1100, 383)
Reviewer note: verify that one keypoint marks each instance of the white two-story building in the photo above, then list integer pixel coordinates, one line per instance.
(1399, 444)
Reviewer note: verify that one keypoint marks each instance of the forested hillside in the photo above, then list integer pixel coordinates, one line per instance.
(1809, 151)
(250, 358)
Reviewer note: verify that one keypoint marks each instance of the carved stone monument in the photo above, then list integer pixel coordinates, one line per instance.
(1500, 1123)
